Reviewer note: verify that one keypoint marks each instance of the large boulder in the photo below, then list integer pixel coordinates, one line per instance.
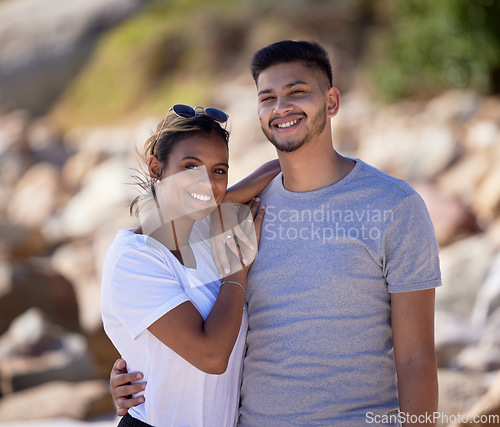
(34, 70)
(36, 284)
(81, 400)
(464, 266)
(407, 144)
(34, 351)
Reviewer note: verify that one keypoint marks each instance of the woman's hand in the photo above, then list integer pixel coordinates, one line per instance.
(235, 235)
(120, 382)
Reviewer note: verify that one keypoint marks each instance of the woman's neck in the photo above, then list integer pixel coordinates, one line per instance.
(174, 235)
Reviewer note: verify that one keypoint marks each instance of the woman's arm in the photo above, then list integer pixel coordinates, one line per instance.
(253, 184)
(207, 344)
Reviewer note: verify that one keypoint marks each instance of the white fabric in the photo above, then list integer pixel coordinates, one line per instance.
(141, 282)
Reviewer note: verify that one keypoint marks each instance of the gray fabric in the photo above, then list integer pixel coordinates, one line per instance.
(319, 343)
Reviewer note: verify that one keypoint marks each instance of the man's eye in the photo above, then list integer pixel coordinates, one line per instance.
(297, 92)
(267, 99)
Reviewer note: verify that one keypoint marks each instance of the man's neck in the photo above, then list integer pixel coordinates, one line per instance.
(313, 166)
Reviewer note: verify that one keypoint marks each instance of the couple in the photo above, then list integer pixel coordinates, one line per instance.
(340, 297)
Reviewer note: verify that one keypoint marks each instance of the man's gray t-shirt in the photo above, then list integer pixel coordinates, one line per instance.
(319, 343)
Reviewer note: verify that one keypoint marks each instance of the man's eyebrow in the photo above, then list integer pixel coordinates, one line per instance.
(262, 92)
(287, 86)
(198, 160)
(296, 82)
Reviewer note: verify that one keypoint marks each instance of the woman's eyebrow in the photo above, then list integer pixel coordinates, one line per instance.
(201, 161)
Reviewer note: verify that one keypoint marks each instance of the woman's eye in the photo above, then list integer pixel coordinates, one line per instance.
(220, 171)
(191, 166)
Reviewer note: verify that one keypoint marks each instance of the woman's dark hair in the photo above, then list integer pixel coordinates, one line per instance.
(169, 133)
(310, 53)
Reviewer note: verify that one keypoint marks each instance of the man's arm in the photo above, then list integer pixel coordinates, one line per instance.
(253, 184)
(412, 315)
(122, 389)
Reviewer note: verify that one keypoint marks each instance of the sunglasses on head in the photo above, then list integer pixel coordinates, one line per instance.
(188, 112)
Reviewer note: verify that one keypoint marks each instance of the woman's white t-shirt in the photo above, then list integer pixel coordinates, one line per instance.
(141, 282)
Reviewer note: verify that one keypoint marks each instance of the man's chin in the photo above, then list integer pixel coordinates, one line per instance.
(288, 148)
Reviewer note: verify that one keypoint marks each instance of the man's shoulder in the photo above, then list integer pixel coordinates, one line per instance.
(383, 179)
(373, 186)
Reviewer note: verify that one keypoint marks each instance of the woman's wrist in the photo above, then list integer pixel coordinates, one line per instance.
(238, 276)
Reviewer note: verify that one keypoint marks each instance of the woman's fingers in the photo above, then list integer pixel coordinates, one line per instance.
(258, 222)
(122, 388)
(219, 254)
(124, 404)
(243, 237)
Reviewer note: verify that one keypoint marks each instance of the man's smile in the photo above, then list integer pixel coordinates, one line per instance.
(285, 123)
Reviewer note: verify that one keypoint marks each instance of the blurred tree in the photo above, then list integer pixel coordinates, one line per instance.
(426, 46)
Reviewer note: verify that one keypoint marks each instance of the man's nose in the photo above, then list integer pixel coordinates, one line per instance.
(282, 105)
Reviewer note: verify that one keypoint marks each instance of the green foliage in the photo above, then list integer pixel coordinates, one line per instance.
(170, 53)
(436, 44)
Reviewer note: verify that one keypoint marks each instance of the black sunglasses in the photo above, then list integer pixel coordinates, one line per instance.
(188, 112)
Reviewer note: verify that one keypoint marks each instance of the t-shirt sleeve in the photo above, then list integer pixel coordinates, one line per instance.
(410, 249)
(143, 288)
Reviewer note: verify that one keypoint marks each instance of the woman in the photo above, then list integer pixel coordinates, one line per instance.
(163, 303)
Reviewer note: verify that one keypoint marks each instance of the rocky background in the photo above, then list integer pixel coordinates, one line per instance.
(64, 194)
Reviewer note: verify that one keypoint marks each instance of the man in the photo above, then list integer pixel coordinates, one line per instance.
(341, 295)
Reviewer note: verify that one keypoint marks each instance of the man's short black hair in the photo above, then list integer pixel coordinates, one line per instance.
(308, 52)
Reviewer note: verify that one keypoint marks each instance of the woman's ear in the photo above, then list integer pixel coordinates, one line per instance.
(155, 167)
(333, 102)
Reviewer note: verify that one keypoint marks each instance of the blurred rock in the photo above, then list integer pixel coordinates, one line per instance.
(464, 266)
(462, 179)
(80, 262)
(70, 362)
(493, 233)
(453, 105)
(453, 334)
(488, 297)
(80, 400)
(482, 134)
(486, 203)
(460, 390)
(451, 218)
(36, 284)
(355, 108)
(103, 198)
(15, 155)
(484, 355)
(35, 196)
(78, 166)
(407, 146)
(46, 144)
(34, 70)
(487, 405)
(18, 242)
(31, 334)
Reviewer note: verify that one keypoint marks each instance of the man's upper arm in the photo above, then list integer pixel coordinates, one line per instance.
(412, 316)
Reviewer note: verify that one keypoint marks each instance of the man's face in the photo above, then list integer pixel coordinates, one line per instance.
(293, 101)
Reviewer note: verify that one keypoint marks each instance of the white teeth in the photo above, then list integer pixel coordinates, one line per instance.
(287, 124)
(202, 197)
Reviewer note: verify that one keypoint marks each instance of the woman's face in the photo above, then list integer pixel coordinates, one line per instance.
(194, 180)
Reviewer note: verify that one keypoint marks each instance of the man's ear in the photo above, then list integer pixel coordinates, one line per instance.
(333, 102)
(154, 166)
